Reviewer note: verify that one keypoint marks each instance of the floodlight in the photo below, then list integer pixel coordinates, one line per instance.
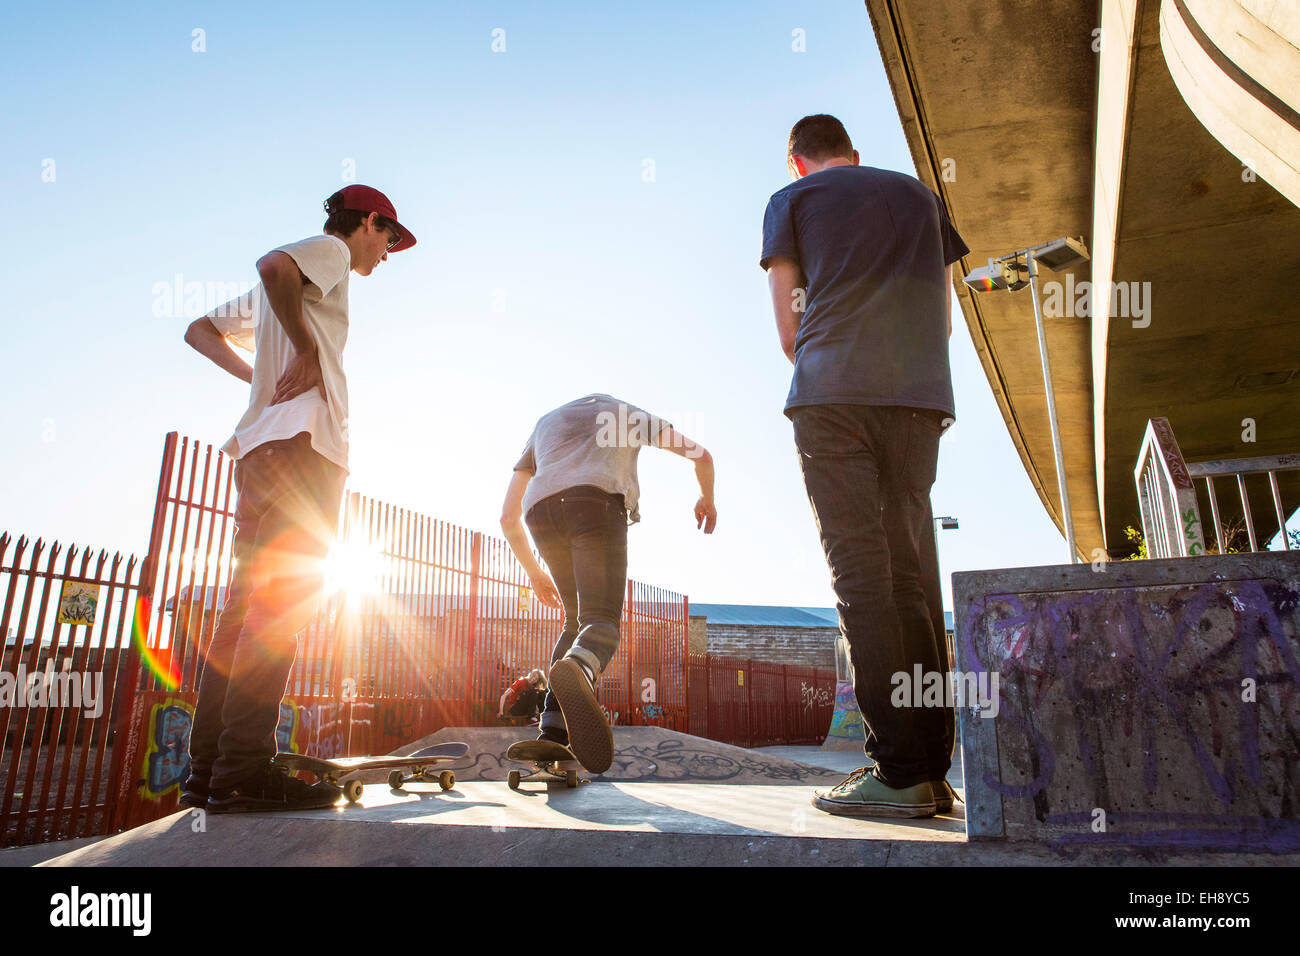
(1061, 254)
(986, 278)
(998, 274)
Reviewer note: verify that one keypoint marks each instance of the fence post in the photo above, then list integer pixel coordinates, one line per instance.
(119, 776)
(686, 660)
(631, 649)
(708, 710)
(749, 702)
(786, 736)
(471, 652)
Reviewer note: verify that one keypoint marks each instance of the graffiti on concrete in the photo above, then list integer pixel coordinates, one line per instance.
(846, 722)
(1132, 699)
(678, 760)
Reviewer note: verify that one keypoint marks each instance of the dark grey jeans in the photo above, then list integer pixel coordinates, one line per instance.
(582, 535)
(285, 520)
(868, 471)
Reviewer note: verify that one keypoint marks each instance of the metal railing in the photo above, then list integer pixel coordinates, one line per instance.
(1171, 519)
(1239, 468)
(66, 651)
(1167, 495)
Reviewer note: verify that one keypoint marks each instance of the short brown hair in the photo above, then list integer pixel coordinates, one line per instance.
(819, 137)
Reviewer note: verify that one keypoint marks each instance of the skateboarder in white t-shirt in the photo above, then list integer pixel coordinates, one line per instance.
(291, 457)
(576, 483)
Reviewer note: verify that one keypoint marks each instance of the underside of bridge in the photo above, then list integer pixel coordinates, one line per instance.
(1060, 118)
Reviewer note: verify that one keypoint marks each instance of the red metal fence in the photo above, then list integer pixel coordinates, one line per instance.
(758, 703)
(58, 680)
(424, 624)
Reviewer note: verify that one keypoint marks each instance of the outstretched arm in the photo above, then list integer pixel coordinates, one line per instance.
(784, 278)
(512, 525)
(706, 515)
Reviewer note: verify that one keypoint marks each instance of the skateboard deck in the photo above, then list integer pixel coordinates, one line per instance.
(342, 771)
(547, 758)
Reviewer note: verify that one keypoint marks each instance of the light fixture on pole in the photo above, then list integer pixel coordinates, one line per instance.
(1007, 272)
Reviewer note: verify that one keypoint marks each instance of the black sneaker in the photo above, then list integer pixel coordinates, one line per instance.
(590, 738)
(194, 792)
(555, 737)
(273, 789)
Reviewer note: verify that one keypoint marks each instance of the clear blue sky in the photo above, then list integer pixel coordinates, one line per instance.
(547, 266)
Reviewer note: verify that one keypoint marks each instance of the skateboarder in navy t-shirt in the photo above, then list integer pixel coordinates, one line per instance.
(859, 262)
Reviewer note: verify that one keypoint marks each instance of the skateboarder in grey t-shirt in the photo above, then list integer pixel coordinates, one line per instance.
(576, 488)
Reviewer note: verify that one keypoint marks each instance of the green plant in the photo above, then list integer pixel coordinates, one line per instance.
(1135, 536)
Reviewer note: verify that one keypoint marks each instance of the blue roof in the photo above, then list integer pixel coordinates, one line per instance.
(763, 614)
(773, 616)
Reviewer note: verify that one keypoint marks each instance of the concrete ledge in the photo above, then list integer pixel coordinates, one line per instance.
(1146, 703)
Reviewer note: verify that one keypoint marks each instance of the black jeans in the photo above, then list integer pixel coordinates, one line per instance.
(285, 520)
(868, 471)
(582, 535)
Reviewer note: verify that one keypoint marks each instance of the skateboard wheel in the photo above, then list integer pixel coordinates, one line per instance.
(571, 779)
(395, 780)
(446, 780)
(513, 779)
(352, 790)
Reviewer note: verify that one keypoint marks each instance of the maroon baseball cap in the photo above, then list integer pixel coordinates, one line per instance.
(367, 199)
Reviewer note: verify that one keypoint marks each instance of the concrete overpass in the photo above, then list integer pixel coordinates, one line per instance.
(1166, 133)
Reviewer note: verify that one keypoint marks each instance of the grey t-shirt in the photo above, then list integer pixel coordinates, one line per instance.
(873, 245)
(592, 440)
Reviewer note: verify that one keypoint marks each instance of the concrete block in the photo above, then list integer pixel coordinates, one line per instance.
(1145, 703)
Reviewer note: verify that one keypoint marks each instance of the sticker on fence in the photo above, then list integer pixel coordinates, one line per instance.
(78, 602)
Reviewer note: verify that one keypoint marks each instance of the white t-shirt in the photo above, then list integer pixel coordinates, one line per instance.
(252, 325)
(592, 440)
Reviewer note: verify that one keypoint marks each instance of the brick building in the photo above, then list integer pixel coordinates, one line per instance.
(783, 635)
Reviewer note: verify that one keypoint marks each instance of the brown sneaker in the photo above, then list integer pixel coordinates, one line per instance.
(944, 795)
(590, 738)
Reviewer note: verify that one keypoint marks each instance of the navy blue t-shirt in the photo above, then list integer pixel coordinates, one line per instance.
(873, 245)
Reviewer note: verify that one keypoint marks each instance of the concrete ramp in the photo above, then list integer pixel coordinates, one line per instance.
(647, 754)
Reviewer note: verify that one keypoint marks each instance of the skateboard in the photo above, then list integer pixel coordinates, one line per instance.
(421, 764)
(549, 758)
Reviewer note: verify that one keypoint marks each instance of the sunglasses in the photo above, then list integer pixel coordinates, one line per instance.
(395, 234)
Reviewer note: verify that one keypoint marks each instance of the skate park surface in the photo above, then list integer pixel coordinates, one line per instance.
(668, 799)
